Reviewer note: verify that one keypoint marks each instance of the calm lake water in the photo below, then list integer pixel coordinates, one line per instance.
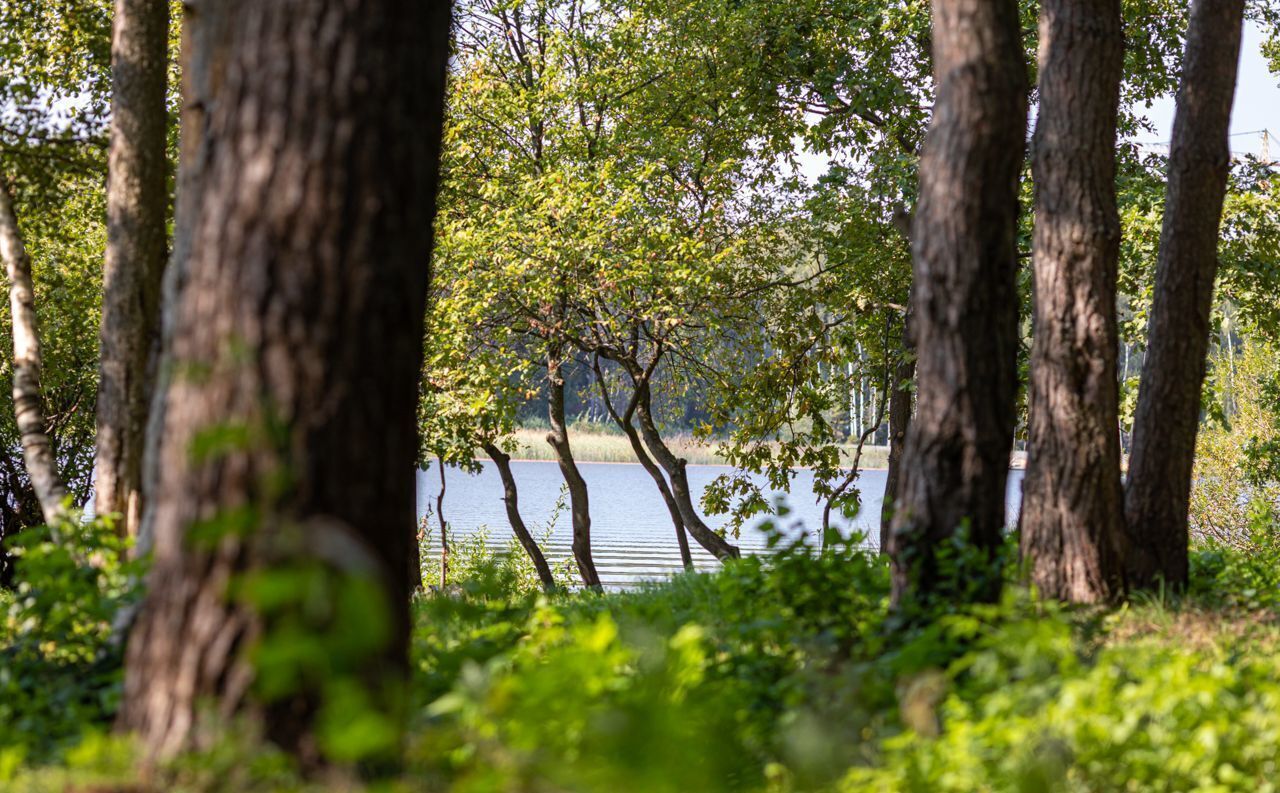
(631, 533)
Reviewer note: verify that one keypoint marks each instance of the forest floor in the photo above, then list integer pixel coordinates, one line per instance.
(771, 676)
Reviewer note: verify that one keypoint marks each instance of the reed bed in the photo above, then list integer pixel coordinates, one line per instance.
(604, 447)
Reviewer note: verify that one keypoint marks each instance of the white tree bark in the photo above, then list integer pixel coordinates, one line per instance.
(37, 449)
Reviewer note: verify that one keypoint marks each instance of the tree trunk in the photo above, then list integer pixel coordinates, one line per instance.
(965, 305)
(1158, 491)
(707, 537)
(285, 442)
(510, 498)
(1071, 519)
(204, 57)
(900, 408)
(625, 423)
(37, 447)
(137, 245)
(444, 530)
(579, 506)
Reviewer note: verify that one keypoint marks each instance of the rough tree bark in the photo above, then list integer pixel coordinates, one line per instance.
(579, 505)
(1072, 524)
(137, 246)
(510, 498)
(965, 304)
(204, 56)
(28, 405)
(1158, 491)
(310, 250)
(675, 467)
(625, 422)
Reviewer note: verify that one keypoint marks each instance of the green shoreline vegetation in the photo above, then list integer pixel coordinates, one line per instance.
(595, 443)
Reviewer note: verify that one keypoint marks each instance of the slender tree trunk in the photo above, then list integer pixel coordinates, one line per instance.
(579, 505)
(625, 423)
(900, 407)
(415, 558)
(1071, 519)
(675, 467)
(965, 304)
(1158, 491)
(28, 404)
(137, 246)
(444, 530)
(510, 498)
(284, 441)
(880, 400)
(205, 53)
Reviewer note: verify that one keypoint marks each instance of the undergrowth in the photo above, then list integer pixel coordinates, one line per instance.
(775, 674)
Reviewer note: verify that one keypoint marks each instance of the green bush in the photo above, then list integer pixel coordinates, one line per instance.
(1245, 573)
(60, 655)
(773, 674)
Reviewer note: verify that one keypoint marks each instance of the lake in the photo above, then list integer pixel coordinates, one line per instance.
(632, 536)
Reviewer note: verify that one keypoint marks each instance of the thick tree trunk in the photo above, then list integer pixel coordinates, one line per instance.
(205, 54)
(1071, 519)
(1158, 491)
(625, 423)
(137, 246)
(900, 408)
(510, 498)
(579, 505)
(28, 404)
(675, 467)
(284, 441)
(965, 304)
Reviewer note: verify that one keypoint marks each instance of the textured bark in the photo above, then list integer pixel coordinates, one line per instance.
(1072, 514)
(204, 57)
(37, 447)
(510, 498)
(137, 246)
(707, 537)
(626, 423)
(965, 305)
(901, 400)
(316, 185)
(579, 503)
(1158, 491)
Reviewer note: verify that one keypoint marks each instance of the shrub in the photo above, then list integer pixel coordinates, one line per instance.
(60, 652)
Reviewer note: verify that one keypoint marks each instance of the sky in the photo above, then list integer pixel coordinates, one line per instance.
(1256, 107)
